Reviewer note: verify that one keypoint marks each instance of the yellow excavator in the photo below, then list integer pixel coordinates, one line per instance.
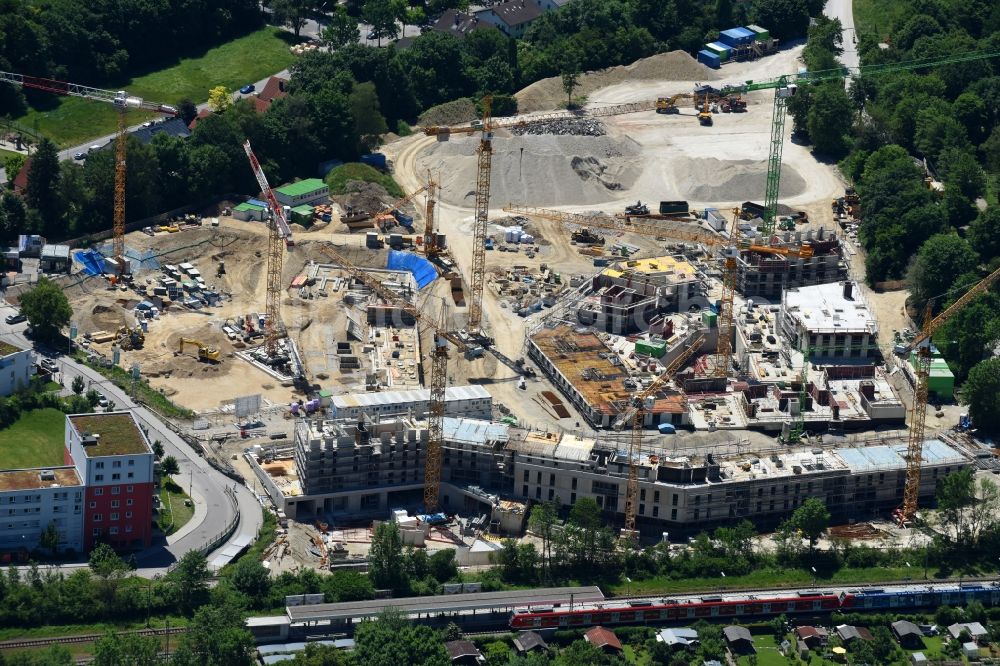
(205, 353)
(705, 115)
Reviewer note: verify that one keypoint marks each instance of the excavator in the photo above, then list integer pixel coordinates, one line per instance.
(130, 338)
(206, 354)
(705, 114)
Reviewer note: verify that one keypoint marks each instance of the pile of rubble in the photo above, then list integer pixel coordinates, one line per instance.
(563, 127)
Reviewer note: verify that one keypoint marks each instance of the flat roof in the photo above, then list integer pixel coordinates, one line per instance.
(56, 251)
(474, 431)
(868, 458)
(249, 206)
(31, 479)
(674, 268)
(470, 392)
(119, 434)
(7, 348)
(574, 353)
(302, 187)
(822, 307)
(446, 603)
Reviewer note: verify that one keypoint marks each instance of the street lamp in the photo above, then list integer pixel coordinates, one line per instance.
(814, 574)
(628, 588)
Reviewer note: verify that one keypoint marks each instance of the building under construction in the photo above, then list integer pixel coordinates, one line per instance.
(343, 472)
(768, 274)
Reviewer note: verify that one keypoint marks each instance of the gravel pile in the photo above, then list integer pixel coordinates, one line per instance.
(450, 113)
(563, 127)
(543, 170)
(711, 179)
(548, 94)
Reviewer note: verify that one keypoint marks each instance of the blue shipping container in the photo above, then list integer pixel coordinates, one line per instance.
(710, 59)
(736, 37)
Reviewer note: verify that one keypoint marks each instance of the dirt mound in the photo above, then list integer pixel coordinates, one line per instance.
(676, 66)
(450, 113)
(545, 170)
(363, 195)
(711, 179)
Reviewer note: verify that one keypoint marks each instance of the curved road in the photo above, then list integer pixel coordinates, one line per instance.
(213, 508)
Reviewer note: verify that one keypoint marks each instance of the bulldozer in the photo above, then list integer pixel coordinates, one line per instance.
(205, 353)
(130, 338)
(585, 236)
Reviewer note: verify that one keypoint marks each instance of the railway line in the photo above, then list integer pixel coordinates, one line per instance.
(28, 643)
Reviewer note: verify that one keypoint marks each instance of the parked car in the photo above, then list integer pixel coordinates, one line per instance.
(247, 89)
(80, 156)
(372, 35)
(15, 318)
(49, 365)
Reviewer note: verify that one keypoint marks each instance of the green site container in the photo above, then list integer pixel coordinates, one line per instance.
(940, 381)
(720, 49)
(760, 34)
(652, 348)
(709, 318)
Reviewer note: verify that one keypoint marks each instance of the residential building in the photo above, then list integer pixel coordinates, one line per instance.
(738, 639)
(908, 634)
(33, 499)
(17, 367)
(457, 23)
(604, 640)
(512, 17)
(115, 462)
(829, 322)
(529, 641)
(769, 273)
(275, 88)
(305, 191)
(464, 652)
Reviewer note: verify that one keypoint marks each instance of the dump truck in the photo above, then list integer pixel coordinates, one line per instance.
(206, 354)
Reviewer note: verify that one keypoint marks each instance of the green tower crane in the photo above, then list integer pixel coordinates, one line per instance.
(785, 86)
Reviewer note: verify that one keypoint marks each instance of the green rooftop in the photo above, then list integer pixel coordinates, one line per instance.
(7, 348)
(248, 206)
(304, 209)
(118, 435)
(302, 187)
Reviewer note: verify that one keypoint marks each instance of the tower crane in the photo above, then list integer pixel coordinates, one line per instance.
(918, 414)
(483, 174)
(122, 101)
(439, 370)
(785, 86)
(634, 415)
(431, 249)
(730, 250)
(276, 225)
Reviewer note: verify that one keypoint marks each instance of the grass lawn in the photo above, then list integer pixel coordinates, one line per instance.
(877, 17)
(767, 652)
(4, 154)
(70, 120)
(174, 514)
(35, 440)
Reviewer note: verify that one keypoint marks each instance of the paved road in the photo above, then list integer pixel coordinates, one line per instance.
(844, 10)
(213, 509)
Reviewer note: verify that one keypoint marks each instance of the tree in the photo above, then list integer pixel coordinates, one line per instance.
(811, 518)
(253, 579)
(981, 392)
(341, 29)
(292, 13)
(580, 652)
(220, 98)
(78, 385)
(787, 19)
(369, 124)
(41, 193)
(959, 168)
(93, 398)
(217, 636)
(319, 655)
(829, 119)
(12, 164)
(390, 640)
(570, 80)
(937, 265)
(110, 569)
(190, 580)
(984, 233)
(385, 558)
(46, 308)
(382, 16)
(126, 649)
(158, 449)
(169, 466)
(187, 110)
(541, 520)
(50, 538)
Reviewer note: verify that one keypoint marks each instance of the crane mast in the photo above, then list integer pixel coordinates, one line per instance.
(275, 256)
(483, 173)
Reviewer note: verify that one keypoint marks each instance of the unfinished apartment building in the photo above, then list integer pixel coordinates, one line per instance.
(768, 274)
(355, 472)
(829, 322)
(599, 373)
(629, 296)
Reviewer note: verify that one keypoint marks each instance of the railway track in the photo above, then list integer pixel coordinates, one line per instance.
(82, 638)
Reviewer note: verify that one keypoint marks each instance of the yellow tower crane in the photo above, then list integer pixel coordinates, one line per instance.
(483, 173)
(918, 414)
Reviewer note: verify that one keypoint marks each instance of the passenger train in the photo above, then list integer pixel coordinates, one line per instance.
(912, 597)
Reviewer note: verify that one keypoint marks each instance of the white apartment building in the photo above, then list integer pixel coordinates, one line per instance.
(16, 368)
(31, 499)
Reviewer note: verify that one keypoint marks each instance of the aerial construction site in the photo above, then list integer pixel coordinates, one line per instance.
(654, 301)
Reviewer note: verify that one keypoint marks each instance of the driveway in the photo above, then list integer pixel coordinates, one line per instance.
(214, 508)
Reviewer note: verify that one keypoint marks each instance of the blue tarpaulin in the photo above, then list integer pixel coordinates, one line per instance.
(93, 261)
(422, 270)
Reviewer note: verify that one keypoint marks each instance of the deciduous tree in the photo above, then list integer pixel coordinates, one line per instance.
(46, 308)
(220, 98)
(385, 558)
(812, 518)
(941, 260)
(981, 392)
(341, 29)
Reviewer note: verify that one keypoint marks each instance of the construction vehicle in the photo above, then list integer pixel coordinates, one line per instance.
(733, 104)
(638, 208)
(206, 354)
(669, 104)
(634, 415)
(130, 338)
(785, 86)
(918, 415)
(705, 114)
(585, 236)
(122, 102)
